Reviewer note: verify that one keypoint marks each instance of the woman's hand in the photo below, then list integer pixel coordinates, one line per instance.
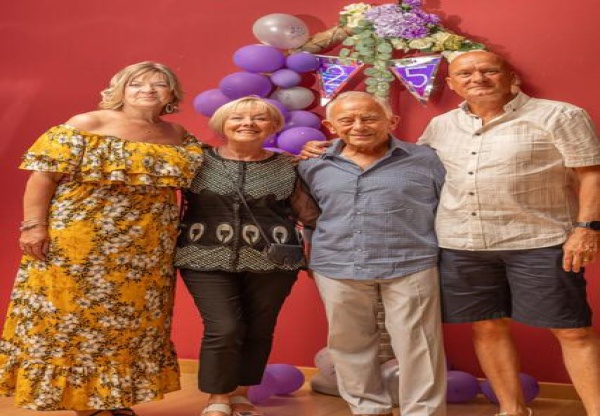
(314, 148)
(35, 242)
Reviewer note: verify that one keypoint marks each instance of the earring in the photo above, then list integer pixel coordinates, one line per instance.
(169, 108)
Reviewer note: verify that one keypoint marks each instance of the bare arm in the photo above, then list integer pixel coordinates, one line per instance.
(39, 191)
(582, 246)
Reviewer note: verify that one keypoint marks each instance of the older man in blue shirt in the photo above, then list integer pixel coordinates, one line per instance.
(375, 235)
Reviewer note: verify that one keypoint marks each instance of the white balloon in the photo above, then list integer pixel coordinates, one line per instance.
(294, 98)
(281, 31)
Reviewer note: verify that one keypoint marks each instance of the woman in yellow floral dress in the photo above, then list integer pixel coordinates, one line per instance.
(88, 327)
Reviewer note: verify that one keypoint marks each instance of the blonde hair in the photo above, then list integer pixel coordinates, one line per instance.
(218, 119)
(112, 97)
(383, 103)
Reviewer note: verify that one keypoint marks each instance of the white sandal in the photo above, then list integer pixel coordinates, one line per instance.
(238, 399)
(218, 407)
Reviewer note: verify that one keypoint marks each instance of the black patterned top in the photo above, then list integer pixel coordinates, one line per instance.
(217, 232)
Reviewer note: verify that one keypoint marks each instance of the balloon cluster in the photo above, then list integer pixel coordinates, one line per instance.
(278, 379)
(269, 73)
(461, 386)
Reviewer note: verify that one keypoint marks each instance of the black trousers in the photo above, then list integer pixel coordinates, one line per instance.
(239, 312)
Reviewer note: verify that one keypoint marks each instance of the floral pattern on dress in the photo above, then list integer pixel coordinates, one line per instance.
(90, 327)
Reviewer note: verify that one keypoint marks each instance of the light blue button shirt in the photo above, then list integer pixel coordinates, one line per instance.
(375, 223)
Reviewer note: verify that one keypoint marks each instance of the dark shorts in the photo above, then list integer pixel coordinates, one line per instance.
(528, 286)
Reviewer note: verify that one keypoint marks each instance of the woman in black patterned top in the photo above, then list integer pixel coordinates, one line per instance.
(238, 291)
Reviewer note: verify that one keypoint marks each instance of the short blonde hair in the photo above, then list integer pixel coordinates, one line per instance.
(349, 95)
(218, 119)
(112, 97)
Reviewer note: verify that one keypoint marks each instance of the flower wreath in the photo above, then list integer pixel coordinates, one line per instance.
(372, 34)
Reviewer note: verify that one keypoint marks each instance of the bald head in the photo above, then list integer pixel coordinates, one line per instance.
(479, 54)
(481, 76)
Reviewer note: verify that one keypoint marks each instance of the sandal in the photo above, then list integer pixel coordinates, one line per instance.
(125, 411)
(218, 407)
(244, 401)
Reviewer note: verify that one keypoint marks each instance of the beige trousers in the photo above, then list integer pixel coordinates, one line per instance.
(412, 318)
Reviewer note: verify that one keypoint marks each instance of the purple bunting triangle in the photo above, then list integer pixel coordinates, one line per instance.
(417, 74)
(333, 75)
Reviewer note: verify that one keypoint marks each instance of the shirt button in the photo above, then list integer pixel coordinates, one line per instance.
(470, 173)
(471, 193)
(358, 268)
(473, 153)
(474, 214)
(358, 212)
(358, 231)
(477, 134)
(358, 249)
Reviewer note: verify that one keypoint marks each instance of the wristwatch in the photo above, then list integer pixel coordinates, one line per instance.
(590, 225)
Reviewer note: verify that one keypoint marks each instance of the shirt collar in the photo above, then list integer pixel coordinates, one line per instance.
(396, 147)
(513, 105)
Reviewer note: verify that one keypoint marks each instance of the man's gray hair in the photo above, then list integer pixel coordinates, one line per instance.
(385, 105)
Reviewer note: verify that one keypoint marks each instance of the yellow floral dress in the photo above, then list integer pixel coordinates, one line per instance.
(90, 327)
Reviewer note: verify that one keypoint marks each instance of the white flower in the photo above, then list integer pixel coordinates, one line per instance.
(451, 55)
(354, 13)
(422, 43)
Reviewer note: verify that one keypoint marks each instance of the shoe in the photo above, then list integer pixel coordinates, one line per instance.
(235, 400)
(218, 407)
(125, 411)
(529, 413)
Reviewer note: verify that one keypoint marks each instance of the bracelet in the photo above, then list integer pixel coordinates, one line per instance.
(32, 223)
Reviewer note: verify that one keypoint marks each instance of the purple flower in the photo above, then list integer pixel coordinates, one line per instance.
(391, 21)
(412, 3)
(427, 18)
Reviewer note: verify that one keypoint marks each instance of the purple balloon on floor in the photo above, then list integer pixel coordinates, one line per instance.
(462, 387)
(529, 384)
(263, 391)
(288, 378)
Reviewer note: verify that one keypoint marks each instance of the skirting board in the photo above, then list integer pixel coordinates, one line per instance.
(547, 390)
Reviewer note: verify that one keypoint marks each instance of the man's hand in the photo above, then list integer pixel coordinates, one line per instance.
(314, 148)
(580, 249)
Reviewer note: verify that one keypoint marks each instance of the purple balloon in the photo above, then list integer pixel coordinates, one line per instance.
(286, 78)
(288, 378)
(529, 384)
(462, 387)
(241, 84)
(209, 101)
(303, 118)
(293, 139)
(302, 62)
(271, 141)
(263, 391)
(282, 108)
(259, 58)
(274, 149)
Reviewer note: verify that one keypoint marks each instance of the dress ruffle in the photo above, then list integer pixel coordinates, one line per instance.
(102, 387)
(89, 157)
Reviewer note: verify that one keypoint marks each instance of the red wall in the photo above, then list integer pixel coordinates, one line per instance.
(57, 56)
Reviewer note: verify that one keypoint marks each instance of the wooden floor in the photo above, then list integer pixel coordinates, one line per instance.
(189, 402)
